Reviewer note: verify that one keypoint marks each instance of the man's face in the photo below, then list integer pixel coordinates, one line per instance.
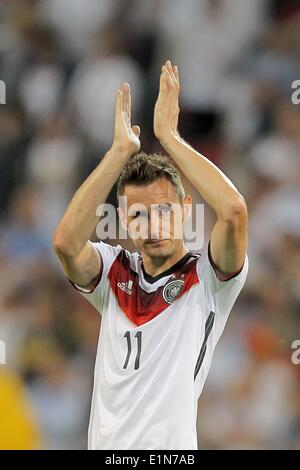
(154, 218)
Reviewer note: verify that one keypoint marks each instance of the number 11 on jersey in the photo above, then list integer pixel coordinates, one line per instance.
(138, 336)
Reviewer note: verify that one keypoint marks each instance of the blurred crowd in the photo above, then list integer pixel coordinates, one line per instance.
(62, 62)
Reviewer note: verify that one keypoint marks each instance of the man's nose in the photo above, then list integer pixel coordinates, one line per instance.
(154, 226)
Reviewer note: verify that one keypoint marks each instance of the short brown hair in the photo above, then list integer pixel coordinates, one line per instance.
(142, 169)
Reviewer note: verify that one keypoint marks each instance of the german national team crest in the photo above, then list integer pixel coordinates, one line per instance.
(172, 290)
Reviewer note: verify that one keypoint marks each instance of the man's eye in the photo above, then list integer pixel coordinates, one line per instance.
(164, 209)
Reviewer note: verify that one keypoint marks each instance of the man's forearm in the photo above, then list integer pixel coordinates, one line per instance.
(215, 188)
(80, 219)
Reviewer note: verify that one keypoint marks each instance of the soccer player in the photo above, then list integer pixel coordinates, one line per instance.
(163, 307)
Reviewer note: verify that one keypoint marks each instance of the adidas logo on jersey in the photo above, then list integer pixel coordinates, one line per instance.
(126, 286)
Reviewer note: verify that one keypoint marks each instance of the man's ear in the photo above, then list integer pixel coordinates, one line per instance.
(187, 207)
(123, 218)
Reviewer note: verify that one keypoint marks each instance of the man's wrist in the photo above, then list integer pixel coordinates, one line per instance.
(169, 138)
(120, 152)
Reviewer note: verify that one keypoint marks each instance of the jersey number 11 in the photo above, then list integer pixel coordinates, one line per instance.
(138, 336)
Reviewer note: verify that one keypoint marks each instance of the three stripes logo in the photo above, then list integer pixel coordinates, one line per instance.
(126, 286)
(208, 327)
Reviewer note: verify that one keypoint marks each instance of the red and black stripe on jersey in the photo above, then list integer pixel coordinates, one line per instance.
(141, 306)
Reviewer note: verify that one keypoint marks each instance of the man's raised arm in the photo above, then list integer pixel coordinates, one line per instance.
(80, 260)
(228, 242)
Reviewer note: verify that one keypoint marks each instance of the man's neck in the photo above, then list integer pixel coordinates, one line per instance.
(156, 266)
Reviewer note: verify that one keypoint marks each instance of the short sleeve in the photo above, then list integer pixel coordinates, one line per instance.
(97, 295)
(220, 295)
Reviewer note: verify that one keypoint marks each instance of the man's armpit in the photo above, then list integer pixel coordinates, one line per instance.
(92, 286)
(220, 275)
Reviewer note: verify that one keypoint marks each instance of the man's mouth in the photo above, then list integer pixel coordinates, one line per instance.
(155, 242)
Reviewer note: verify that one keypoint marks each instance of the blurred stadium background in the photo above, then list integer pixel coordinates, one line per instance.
(62, 61)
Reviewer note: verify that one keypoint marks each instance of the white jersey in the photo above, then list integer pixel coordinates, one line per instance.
(156, 343)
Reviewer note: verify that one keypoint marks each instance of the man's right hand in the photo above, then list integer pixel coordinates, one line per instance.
(126, 138)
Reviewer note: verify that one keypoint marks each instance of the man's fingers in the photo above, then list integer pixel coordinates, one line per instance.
(163, 83)
(176, 73)
(170, 70)
(171, 85)
(126, 97)
(172, 77)
(124, 102)
(169, 82)
(128, 101)
(118, 107)
(168, 79)
(122, 91)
